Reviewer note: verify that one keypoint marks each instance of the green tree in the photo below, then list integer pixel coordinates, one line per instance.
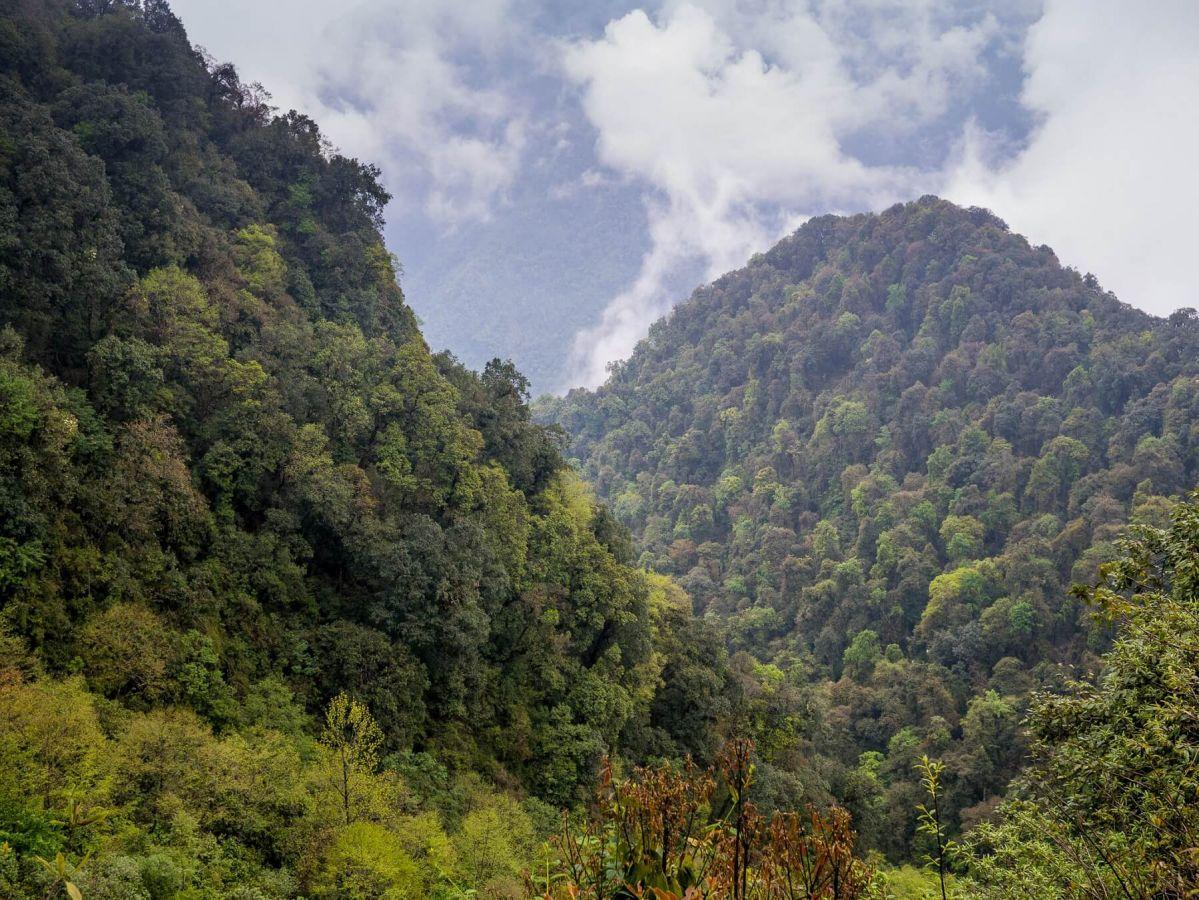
(929, 817)
(367, 861)
(1112, 794)
(861, 655)
(354, 740)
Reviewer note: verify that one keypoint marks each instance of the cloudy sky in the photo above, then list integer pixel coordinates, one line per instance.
(565, 171)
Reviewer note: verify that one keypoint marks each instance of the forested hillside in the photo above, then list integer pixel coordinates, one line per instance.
(879, 456)
(290, 606)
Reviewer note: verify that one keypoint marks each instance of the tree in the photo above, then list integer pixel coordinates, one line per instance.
(674, 832)
(962, 537)
(861, 655)
(493, 841)
(929, 817)
(354, 739)
(367, 861)
(51, 740)
(1112, 795)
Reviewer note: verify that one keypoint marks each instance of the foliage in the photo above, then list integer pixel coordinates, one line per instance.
(240, 495)
(240, 498)
(686, 832)
(929, 819)
(878, 456)
(354, 739)
(1110, 803)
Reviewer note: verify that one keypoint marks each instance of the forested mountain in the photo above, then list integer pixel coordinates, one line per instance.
(879, 456)
(291, 607)
(238, 491)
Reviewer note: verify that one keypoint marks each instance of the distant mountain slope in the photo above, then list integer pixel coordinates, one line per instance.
(897, 437)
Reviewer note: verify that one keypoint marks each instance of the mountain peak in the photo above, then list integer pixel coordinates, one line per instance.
(929, 319)
(892, 270)
(911, 430)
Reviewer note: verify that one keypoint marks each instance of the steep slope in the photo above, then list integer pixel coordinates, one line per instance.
(880, 454)
(235, 485)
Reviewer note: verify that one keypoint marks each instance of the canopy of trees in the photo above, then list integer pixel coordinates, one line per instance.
(878, 456)
(1109, 806)
(238, 490)
(292, 607)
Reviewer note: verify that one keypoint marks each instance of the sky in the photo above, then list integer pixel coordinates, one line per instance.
(564, 172)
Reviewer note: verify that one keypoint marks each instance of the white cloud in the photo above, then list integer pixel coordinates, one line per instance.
(267, 43)
(394, 70)
(389, 81)
(735, 119)
(1110, 178)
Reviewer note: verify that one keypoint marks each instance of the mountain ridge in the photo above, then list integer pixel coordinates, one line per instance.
(880, 454)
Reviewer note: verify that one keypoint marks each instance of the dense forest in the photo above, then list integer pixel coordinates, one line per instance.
(249, 521)
(292, 607)
(878, 457)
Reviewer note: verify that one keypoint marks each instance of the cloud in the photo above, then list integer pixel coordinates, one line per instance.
(736, 120)
(269, 42)
(1109, 179)
(408, 81)
(407, 84)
